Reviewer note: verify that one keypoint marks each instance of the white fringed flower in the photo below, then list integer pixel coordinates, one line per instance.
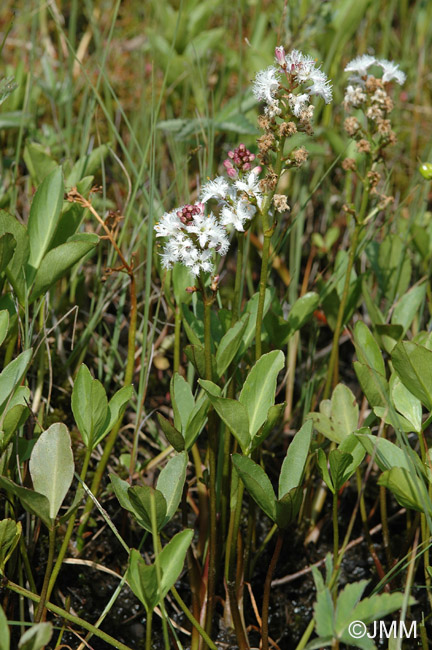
(312, 79)
(209, 233)
(320, 85)
(168, 224)
(193, 238)
(250, 185)
(391, 71)
(266, 85)
(219, 188)
(298, 103)
(238, 214)
(360, 65)
(299, 65)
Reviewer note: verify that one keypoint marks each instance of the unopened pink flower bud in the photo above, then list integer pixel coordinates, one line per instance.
(232, 173)
(280, 55)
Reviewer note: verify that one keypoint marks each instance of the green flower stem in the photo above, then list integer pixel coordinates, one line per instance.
(423, 521)
(261, 549)
(238, 279)
(364, 518)
(68, 534)
(177, 338)
(385, 526)
(262, 287)
(231, 564)
(27, 566)
(66, 615)
(149, 619)
(306, 635)
(212, 454)
(332, 374)
(193, 574)
(226, 467)
(202, 500)
(192, 619)
(268, 230)
(51, 549)
(266, 594)
(335, 527)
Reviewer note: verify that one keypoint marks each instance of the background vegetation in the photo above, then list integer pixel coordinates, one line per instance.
(140, 103)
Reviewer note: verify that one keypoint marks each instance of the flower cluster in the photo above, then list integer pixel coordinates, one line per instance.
(371, 94)
(238, 160)
(194, 234)
(301, 73)
(364, 87)
(193, 237)
(238, 200)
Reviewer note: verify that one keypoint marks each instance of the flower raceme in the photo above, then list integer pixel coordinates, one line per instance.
(370, 93)
(192, 238)
(194, 234)
(366, 88)
(301, 73)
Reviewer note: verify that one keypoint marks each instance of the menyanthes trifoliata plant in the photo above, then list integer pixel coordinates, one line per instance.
(367, 95)
(196, 234)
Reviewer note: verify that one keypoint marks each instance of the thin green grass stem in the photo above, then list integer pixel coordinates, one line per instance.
(261, 549)
(333, 372)
(157, 546)
(68, 534)
(237, 299)
(306, 635)
(27, 565)
(335, 527)
(66, 615)
(192, 619)
(51, 549)
(105, 611)
(129, 372)
(231, 564)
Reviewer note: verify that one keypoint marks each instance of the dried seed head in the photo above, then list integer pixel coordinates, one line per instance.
(269, 182)
(374, 178)
(281, 203)
(372, 84)
(266, 142)
(349, 164)
(374, 112)
(299, 156)
(287, 129)
(384, 127)
(263, 122)
(351, 125)
(363, 146)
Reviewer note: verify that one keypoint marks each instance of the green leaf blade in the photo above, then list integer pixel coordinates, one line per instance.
(44, 213)
(52, 465)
